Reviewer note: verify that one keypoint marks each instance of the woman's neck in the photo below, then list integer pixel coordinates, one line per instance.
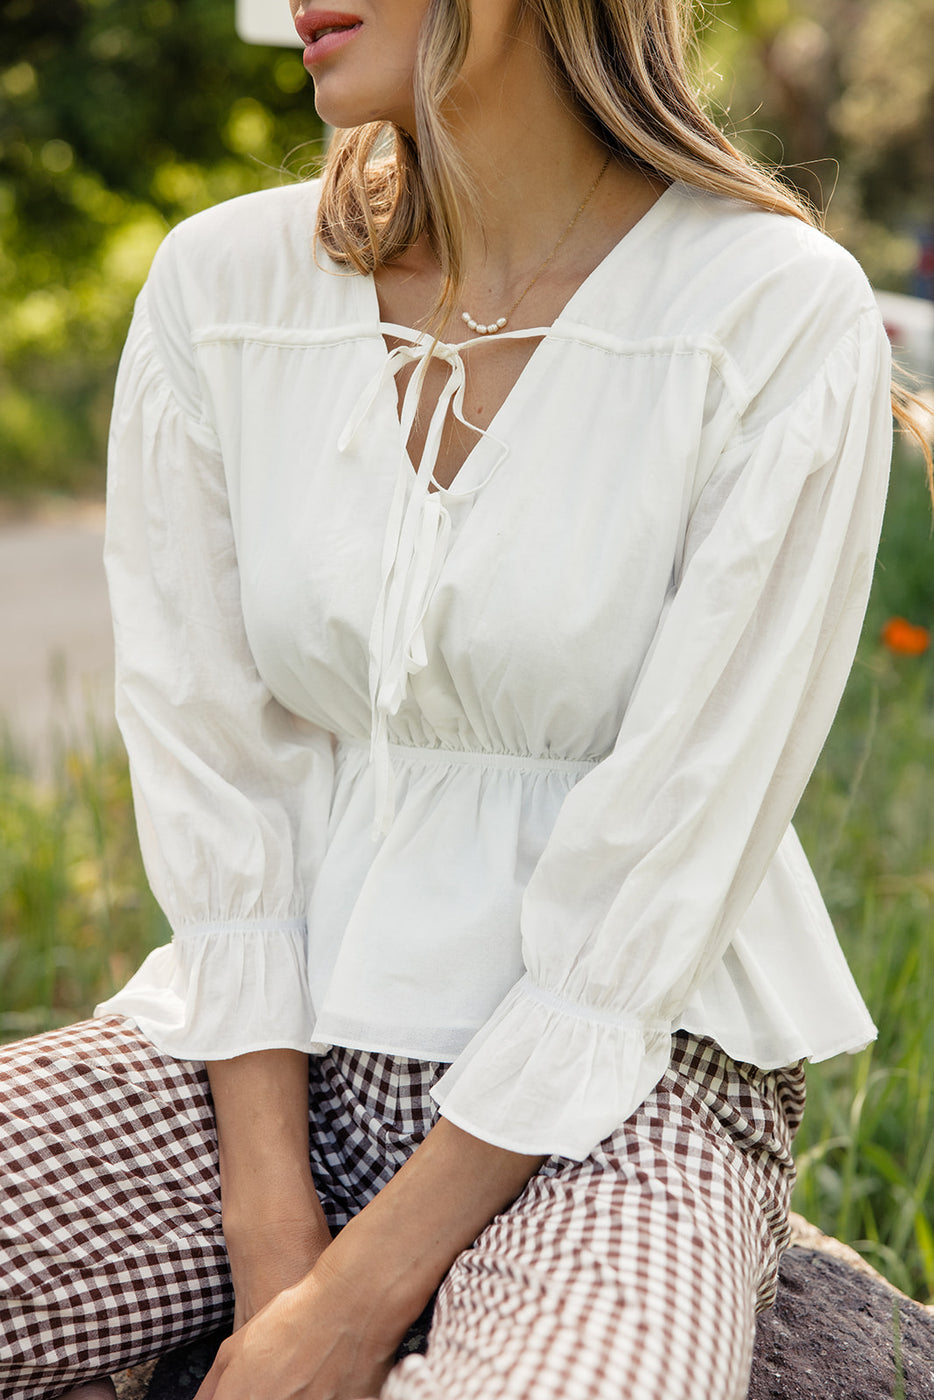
(532, 161)
(531, 158)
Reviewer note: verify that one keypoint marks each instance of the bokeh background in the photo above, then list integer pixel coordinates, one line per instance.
(120, 117)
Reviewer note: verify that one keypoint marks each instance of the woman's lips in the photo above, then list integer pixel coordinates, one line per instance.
(324, 31)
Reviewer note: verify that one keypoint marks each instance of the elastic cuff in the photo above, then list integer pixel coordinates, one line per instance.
(210, 996)
(541, 1078)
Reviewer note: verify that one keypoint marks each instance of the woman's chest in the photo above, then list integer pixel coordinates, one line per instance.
(560, 535)
(488, 374)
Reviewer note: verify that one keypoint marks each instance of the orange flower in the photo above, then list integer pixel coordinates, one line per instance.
(905, 638)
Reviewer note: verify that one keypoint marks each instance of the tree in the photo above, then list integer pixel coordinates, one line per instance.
(117, 118)
(841, 93)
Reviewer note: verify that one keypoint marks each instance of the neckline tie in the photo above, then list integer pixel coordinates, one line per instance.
(416, 541)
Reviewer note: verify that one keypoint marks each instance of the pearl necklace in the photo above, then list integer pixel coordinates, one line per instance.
(476, 326)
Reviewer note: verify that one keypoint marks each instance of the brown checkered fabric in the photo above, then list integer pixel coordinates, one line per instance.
(635, 1274)
(110, 1237)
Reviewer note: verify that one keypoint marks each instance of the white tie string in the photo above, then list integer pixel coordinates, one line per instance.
(415, 545)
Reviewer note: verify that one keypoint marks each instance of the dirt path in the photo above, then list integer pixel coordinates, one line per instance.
(56, 655)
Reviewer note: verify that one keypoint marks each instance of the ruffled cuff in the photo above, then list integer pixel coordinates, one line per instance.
(219, 991)
(545, 1076)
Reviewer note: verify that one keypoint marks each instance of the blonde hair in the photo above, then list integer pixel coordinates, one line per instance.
(625, 64)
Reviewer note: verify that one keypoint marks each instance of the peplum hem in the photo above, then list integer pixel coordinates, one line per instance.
(544, 1076)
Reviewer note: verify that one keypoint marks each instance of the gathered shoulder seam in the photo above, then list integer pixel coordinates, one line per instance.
(198, 425)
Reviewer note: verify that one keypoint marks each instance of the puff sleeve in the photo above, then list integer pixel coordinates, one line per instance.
(231, 790)
(657, 853)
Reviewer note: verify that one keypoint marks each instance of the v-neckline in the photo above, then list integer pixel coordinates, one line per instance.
(658, 211)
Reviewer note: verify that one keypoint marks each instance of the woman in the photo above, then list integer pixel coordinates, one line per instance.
(484, 589)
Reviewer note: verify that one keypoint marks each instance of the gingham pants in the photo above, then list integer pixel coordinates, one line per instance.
(635, 1275)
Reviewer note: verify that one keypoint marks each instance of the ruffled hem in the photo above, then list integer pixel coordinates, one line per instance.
(249, 986)
(545, 1077)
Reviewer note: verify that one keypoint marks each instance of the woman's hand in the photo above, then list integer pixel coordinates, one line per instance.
(334, 1335)
(322, 1339)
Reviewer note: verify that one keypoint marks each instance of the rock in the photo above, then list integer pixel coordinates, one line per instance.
(840, 1331)
(133, 1384)
(834, 1334)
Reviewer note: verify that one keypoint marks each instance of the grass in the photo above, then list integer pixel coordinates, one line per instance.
(76, 916)
(866, 1151)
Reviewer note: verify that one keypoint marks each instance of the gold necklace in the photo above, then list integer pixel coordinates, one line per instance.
(497, 326)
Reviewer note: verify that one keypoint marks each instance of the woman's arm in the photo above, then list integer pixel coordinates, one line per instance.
(334, 1335)
(657, 852)
(400, 1246)
(274, 1226)
(232, 791)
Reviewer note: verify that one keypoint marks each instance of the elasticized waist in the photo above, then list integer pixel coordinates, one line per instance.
(476, 758)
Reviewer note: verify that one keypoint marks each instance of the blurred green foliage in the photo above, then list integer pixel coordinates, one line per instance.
(117, 119)
(866, 1150)
(120, 117)
(76, 914)
(840, 93)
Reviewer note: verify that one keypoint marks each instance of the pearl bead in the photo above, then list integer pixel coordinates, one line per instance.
(479, 329)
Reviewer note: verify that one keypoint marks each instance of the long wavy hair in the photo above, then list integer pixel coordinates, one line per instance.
(625, 64)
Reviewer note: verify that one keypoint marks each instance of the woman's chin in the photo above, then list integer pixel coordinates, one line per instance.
(338, 114)
(338, 107)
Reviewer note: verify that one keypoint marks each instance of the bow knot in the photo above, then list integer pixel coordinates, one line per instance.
(415, 545)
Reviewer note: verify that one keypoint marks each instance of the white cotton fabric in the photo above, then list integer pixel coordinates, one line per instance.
(499, 775)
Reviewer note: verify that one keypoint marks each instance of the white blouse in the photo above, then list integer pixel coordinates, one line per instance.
(499, 775)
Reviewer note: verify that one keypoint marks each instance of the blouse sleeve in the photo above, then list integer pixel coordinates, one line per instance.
(657, 853)
(231, 791)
